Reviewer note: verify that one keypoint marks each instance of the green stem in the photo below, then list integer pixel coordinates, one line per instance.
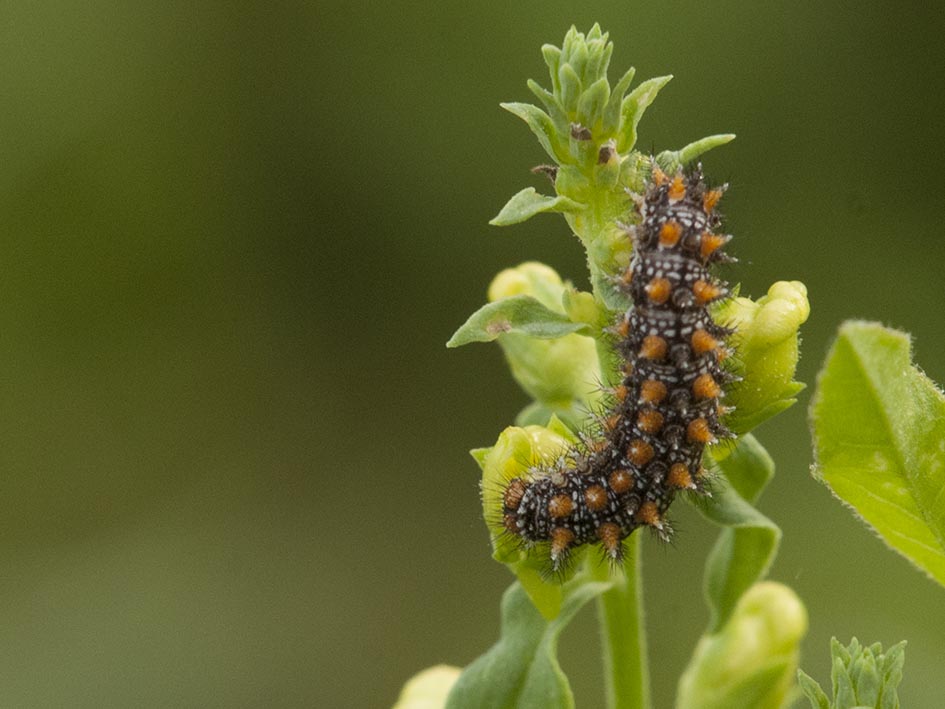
(623, 637)
(620, 611)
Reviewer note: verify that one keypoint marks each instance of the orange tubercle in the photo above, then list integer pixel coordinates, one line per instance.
(677, 190)
(649, 421)
(620, 481)
(698, 431)
(514, 493)
(560, 506)
(703, 342)
(561, 538)
(623, 328)
(711, 199)
(670, 233)
(705, 292)
(595, 497)
(639, 452)
(654, 347)
(609, 534)
(710, 243)
(705, 387)
(596, 445)
(652, 391)
(658, 290)
(649, 514)
(679, 477)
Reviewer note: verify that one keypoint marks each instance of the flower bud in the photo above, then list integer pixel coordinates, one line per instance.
(752, 660)
(562, 374)
(513, 456)
(580, 306)
(428, 689)
(766, 342)
(530, 278)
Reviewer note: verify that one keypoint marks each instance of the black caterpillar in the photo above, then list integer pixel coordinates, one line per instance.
(649, 443)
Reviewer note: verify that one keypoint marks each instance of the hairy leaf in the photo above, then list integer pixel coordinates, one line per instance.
(879, 436)
(747, 546)
(521, 670)
(672, 160)
(555, 111)
(542, 126)
(611, 113)
(632, 108)
(526, 204)
(519, 313)
(862, 676)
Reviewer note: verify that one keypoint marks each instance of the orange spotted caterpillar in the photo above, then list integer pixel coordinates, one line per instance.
(648, 444)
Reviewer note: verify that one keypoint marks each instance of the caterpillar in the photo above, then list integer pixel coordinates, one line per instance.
(648, 443)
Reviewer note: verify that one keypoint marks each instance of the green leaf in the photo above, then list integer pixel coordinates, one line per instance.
(578, 59)
(541, 125)
(599, 52)
(892, 674)
(866, 679)
(863, 677)
(633, 107)
(570, 87)
(555, 111)
(521, 314)
(745, 549)
(521, 670)
(539, 414)
(611, 115)
(527, 203)
(552, 57)
(535, 414)
(672, 160)
(593, 100)
(747, 467)
(812, 690)
(879, 427)
(742, 420)
(479, 455)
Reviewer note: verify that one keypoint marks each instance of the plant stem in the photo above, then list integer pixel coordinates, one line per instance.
(623, 637)
(620, 610)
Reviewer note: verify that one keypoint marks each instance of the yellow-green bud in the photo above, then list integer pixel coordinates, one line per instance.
(428, 689)
(767, 343)
(580, 306)
(516, 451)
(530, 278)
(753, 660)
(512, 456)
(563, 374)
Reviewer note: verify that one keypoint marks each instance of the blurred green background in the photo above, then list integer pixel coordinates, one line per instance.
(235, 237)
